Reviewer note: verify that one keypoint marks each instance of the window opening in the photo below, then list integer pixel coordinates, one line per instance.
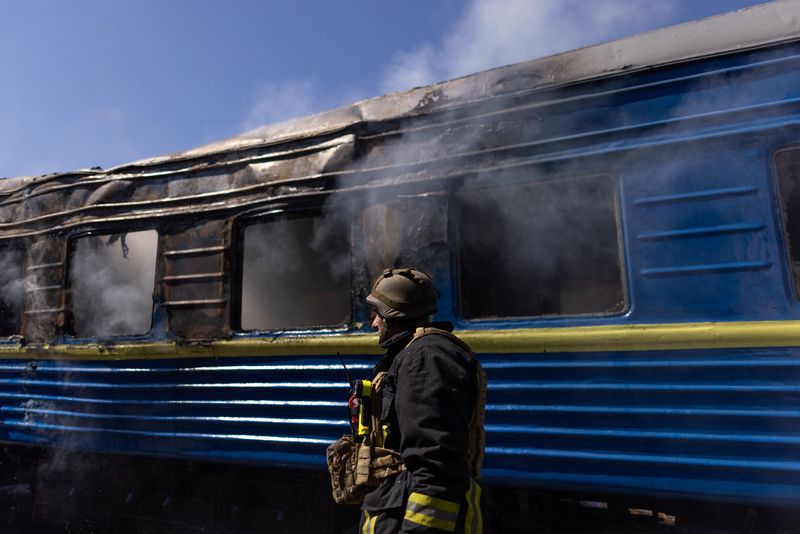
(11, 283)
(544, 248)
(296, 273)
(112, 279)
(405, 231)
(787, 164)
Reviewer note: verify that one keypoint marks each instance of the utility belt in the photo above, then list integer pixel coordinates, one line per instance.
(357, 462)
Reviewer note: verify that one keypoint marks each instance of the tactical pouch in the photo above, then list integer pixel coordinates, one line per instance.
(358, 468)
(341, 457)
(374, 464)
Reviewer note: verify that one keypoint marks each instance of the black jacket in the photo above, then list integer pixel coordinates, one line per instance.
(429, 394)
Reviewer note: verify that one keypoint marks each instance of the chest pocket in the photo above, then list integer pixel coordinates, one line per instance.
(387, 398)
(382, 420)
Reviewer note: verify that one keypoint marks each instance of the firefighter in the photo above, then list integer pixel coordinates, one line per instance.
(432, 398)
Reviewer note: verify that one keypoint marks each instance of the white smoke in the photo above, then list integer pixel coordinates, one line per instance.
(11, 263)
(296, 273)
(112, 280)
(498, 32)
(276, 102)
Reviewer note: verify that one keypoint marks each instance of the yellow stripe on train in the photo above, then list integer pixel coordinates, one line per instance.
(532, 340)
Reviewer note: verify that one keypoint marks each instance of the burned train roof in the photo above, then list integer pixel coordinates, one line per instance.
(748, 28)
(753, 27)
(303, 156)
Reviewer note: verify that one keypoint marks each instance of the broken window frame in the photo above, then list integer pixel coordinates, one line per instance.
(522, 181)
(72, 239)
(427, 253)
(780, 177)
(17, 247)
(267, 215)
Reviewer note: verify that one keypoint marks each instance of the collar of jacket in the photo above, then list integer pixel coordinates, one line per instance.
(393, 345)
(400, 340)
(397, 342)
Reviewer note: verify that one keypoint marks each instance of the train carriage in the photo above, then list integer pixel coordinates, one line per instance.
(613, 230)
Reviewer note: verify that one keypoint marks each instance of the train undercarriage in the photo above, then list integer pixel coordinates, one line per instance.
(56, 491)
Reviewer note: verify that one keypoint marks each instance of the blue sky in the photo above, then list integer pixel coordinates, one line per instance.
(91, 82)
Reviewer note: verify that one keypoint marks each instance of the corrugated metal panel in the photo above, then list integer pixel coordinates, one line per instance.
(682, 423)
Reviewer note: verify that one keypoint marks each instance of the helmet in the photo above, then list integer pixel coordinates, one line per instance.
(403, 294)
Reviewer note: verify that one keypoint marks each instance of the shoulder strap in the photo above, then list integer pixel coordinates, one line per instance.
(423, 331)
(376, 431)
(477, 433)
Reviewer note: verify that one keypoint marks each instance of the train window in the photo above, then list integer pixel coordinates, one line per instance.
(408, 230)
(111, 282)
(545, 248)
(11, 278)
(295, 273)
(787, 164)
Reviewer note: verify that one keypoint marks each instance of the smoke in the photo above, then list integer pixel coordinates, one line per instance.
(275, 102)
(551, 247)
(111, 283)
(11, 263)
(296, 273)
(494, 33)
(535, 242)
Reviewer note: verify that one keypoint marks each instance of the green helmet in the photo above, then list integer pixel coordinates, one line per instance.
(403, 294)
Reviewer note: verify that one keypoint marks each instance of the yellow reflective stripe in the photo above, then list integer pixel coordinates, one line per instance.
(470, 519)
(384, 435)
(432, 512)
(473, 524)
(433, 502)
(428, 521)
(369, 524)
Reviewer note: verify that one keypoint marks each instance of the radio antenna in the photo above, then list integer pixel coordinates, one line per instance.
(346, 372)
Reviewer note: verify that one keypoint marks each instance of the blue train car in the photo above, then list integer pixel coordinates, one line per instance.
(614, 230)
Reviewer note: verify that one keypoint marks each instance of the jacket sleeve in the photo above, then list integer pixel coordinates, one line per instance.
(433, 403)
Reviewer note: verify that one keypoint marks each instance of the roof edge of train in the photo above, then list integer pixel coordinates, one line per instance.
(749, 28)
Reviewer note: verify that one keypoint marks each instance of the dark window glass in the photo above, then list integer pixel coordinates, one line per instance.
(787, 163)
(296, 273)
(11, 282)
(112, 278)
(545, 248)
(406, 231)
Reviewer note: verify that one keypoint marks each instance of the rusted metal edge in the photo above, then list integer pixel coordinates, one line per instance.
(44, 311)
(213, 195)
(191, 303)
(41, 288)
(194, 251)
(109, 176)
(189, 277)
(44, 266)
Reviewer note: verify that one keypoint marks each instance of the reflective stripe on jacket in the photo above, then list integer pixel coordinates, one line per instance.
(429, 394)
